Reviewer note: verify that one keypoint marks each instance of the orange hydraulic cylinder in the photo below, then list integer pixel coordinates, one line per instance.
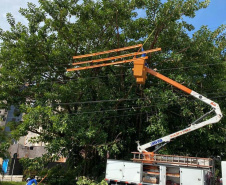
(168, 80)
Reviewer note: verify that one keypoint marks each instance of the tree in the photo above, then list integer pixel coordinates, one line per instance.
(90, 114)
(4, 143)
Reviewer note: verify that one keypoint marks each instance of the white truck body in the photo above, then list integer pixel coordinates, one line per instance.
(124, 172)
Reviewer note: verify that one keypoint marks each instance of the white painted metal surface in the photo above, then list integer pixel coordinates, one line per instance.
(124, 171)
(162, 177)
(190, 176)
(132, 172)
(114, 169)
(223, 167)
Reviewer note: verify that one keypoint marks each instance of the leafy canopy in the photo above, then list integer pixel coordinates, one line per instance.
(89, 115)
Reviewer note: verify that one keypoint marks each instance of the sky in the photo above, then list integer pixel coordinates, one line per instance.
(12, 6)
(213, 16)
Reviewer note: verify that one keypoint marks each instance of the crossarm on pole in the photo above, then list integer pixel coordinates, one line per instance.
(106, 52)
(117, 57)
(104, 64)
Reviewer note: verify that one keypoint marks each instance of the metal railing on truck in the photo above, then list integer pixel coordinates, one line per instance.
(151, 158)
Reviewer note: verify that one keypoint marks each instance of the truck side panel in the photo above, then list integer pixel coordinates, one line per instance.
(123, 171)
(114, 170)
(132, 172)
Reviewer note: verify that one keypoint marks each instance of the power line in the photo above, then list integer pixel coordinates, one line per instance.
(166, 69)
(125, 115)
(118, 100)
(187, 67)
(123, 109)
(133, 114)
(100, 101)
(62, 81)
(114, 110)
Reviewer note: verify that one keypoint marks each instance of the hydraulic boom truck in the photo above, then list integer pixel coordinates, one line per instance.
(150, 167)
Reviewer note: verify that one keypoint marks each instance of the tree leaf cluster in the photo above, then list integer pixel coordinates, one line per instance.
(90, 115)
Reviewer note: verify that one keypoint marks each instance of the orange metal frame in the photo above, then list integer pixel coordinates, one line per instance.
(109, 51)
(168, 80)
(103, 65)
(117, 57)
(139, 70)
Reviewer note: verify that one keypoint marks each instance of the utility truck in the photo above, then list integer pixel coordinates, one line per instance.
(150, 167)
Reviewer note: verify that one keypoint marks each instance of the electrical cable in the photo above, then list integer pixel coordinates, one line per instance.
(118, 100)
(114, 110)
(132, 108)
(166, 69)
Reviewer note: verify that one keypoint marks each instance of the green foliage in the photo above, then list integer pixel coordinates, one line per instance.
(91, 114)
(4, 143)
(84, 181)
(59, 174)
(35, 164)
